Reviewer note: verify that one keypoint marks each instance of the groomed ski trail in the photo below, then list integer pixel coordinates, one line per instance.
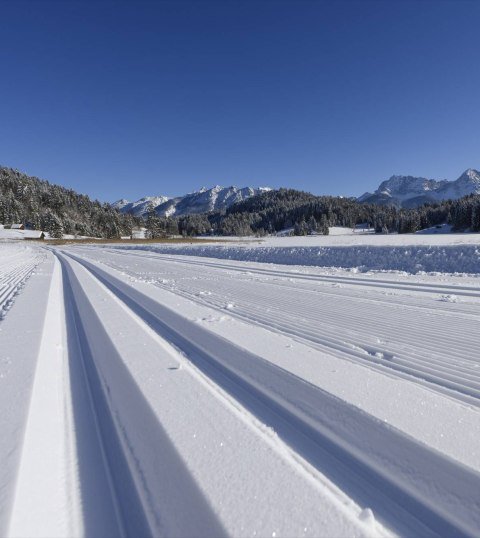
(414, 338)
(144, 422)
(140, 443)
(369, 460)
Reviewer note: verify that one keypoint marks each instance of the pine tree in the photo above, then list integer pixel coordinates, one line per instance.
(53, 225)
(312, 225)
(300, 227)
(475, 227)
(324, 228)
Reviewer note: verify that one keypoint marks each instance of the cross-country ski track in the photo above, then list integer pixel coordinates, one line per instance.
(146, 394)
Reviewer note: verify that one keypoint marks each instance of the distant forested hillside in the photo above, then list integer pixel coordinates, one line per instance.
(305, 213)
(57, 210)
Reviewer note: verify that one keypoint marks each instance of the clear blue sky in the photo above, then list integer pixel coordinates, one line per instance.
(122, 99)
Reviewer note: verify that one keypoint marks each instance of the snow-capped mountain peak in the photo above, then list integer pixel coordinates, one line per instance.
(405, 186)
(140, 207)
(204, 200)
(410, 191)
(120, 203)
(470, 177)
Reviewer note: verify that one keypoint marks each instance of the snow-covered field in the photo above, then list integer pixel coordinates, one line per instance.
(417, 253)
(195, 391)
(17, 263)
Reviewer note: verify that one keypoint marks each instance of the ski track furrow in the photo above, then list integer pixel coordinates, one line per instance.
(354, 319)
(414, 368)
(62, 486)
(460, 310)
(334, 297)
(116, 485)
(459, 351)
(471, 311)
(332, 336)
(323, 326)
(470, 291)
(425, 364)
(427, 360)
(274, 396)
(122, 513)
(14, 272)
(131, 483)
(317, 316)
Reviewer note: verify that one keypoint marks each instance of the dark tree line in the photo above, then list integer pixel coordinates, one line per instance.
(158, 227)
(57, 210)
(304, 213)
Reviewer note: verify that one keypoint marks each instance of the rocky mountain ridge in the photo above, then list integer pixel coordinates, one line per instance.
(202, 201)
(410, 191)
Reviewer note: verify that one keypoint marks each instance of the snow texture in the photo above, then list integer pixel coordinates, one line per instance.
(412, 254)
(412, 191)
(159, 394)
(201, 201)
(17, 263)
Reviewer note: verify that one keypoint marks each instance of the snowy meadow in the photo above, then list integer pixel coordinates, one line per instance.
(314, 386)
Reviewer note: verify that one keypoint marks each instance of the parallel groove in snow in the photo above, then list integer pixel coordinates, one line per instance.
(160, 424)
(464, 258)
(150, 455)
(16, 265)
(272, 388)
(428, 348)
(273, 270)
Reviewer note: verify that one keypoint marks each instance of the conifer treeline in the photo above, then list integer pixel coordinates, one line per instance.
(305, 213)
(57, 210)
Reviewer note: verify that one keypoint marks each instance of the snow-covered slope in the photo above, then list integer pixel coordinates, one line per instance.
(204, 200)
(409, 191)
(140, 207)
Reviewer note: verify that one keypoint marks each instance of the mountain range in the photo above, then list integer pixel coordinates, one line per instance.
(203, 201)
(60, 211)
(409, 191)
(398, 191)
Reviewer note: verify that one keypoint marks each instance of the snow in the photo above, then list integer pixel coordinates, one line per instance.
(339, 230)
(16, 234)
(164, 392)
(201, 201)
(20, 336)
(439, 229)
(401, 189)
(35, 511)
(139, 233)
(17, 263)
(415, 253)
(140, 207)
